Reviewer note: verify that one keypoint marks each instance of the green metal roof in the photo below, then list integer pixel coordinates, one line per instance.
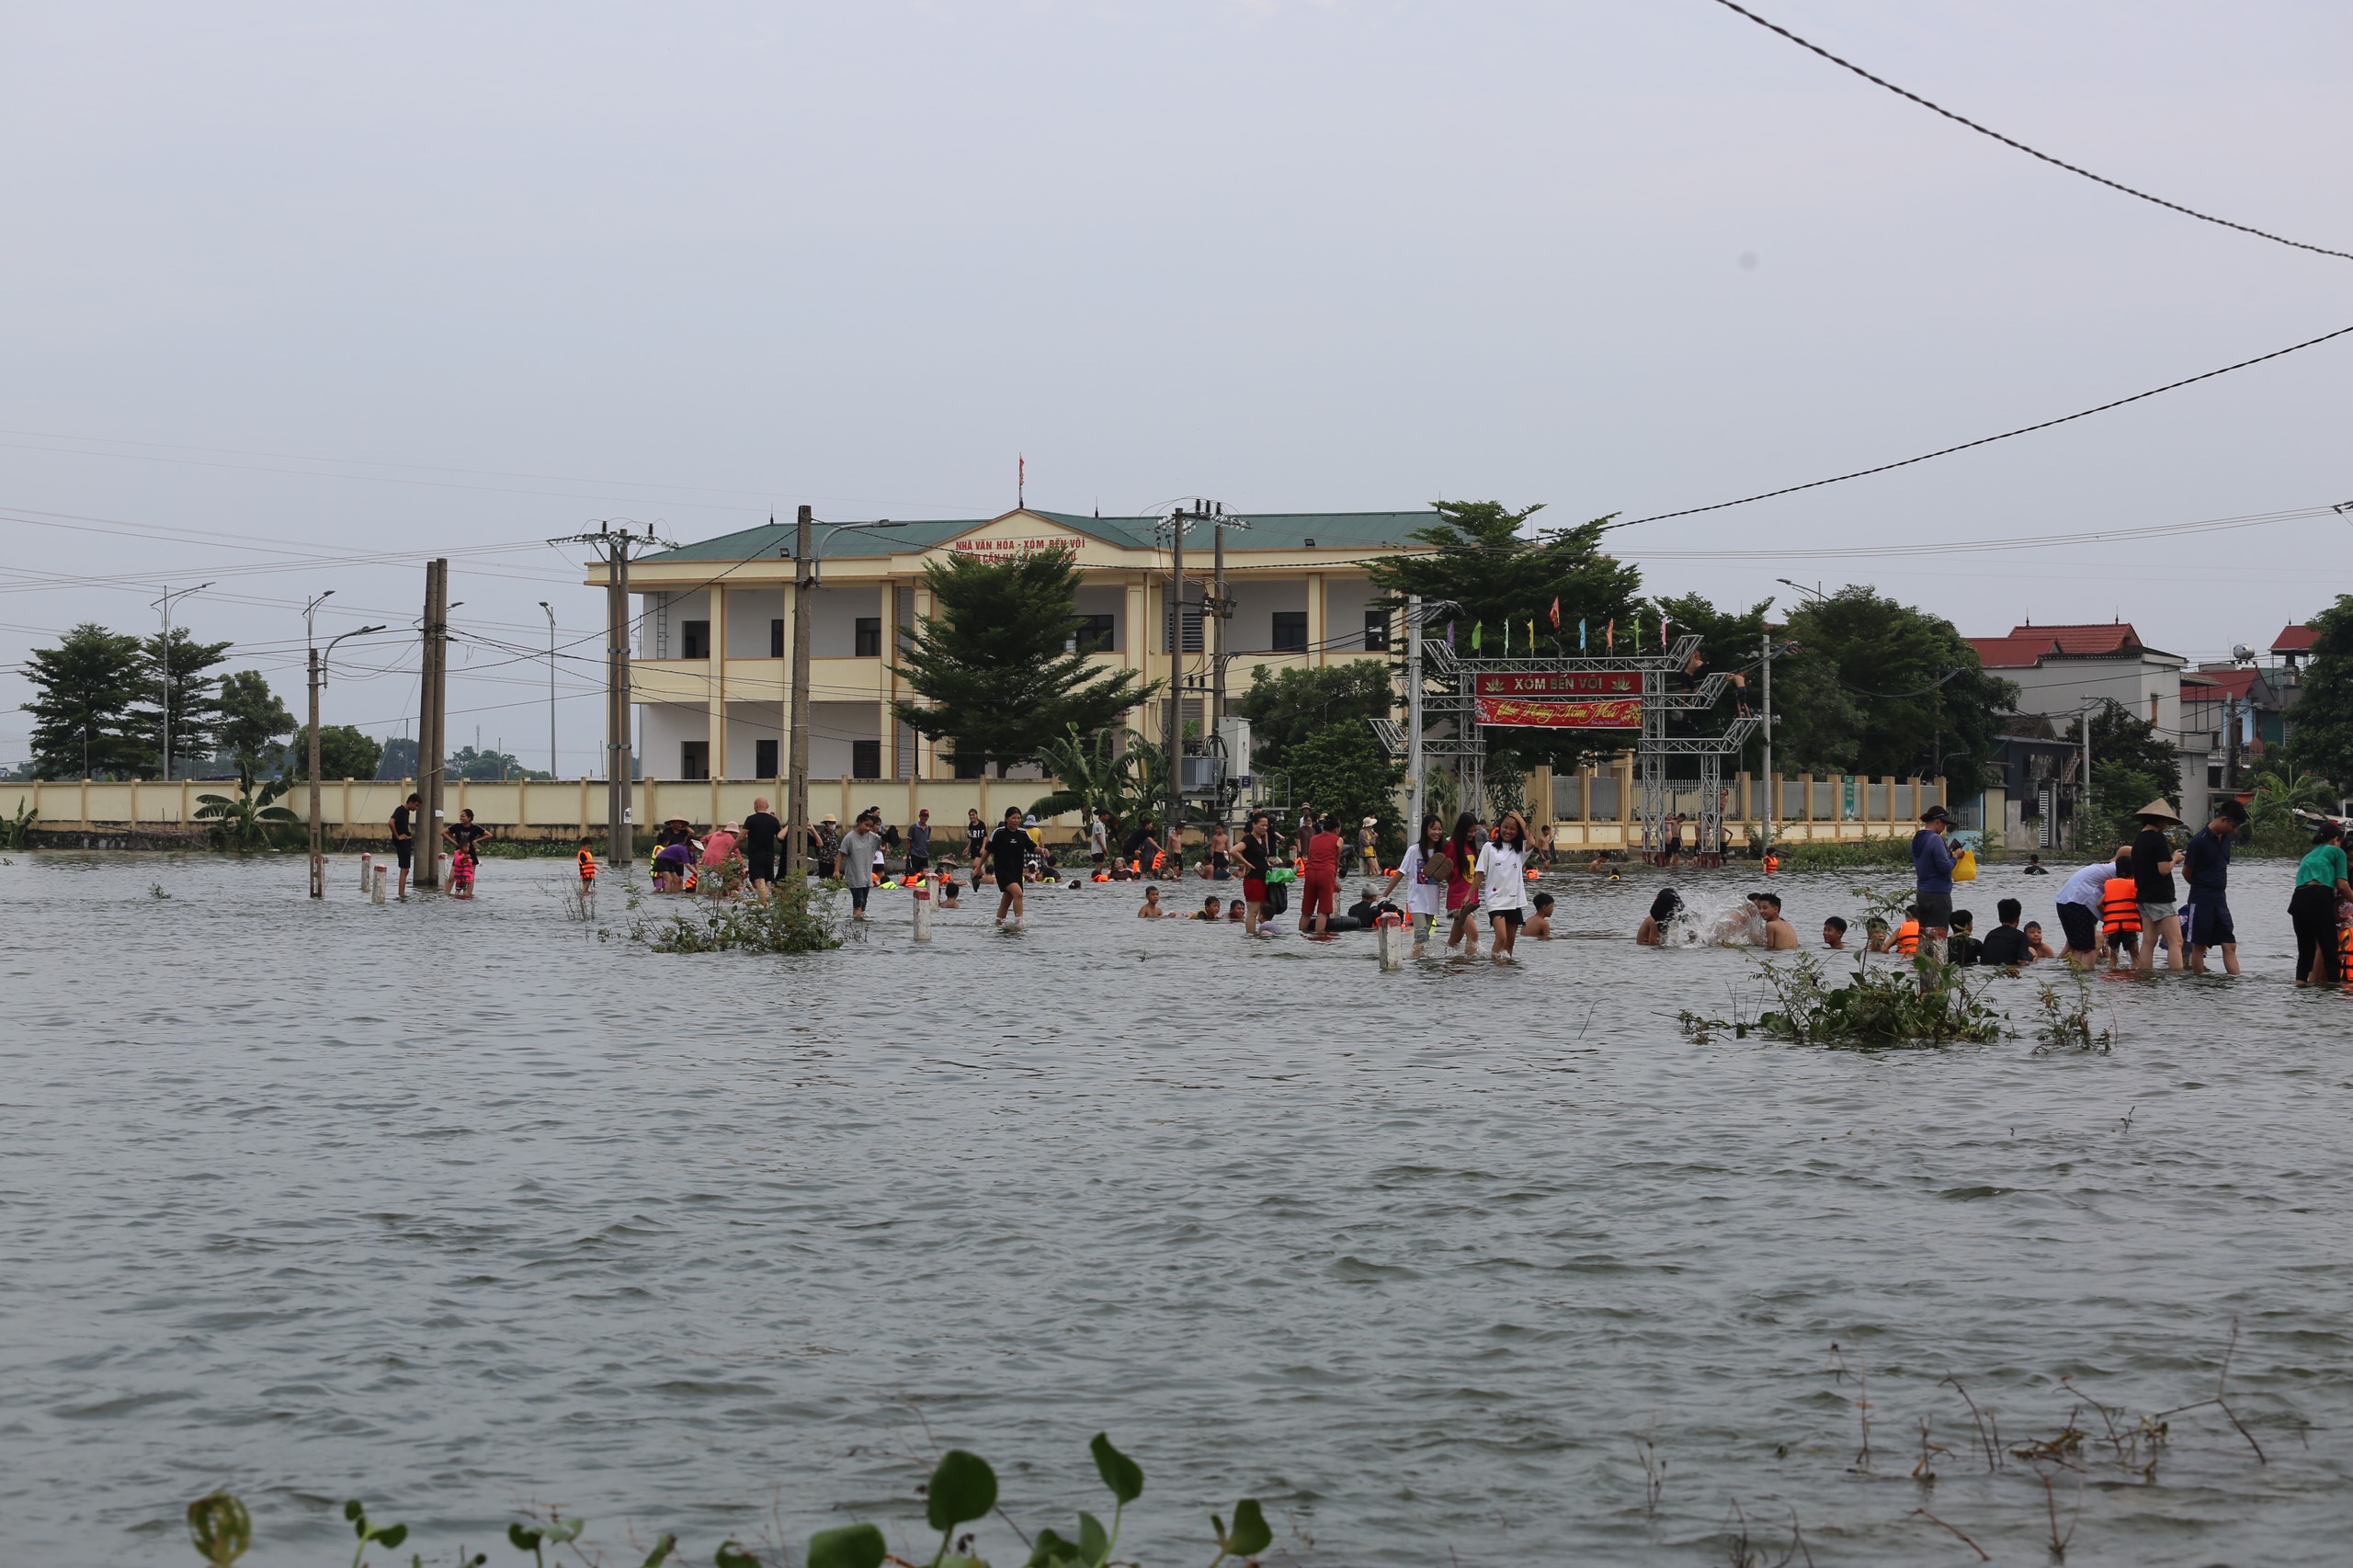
(1258, 530)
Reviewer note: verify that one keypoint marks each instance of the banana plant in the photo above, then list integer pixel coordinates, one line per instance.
(243, 822)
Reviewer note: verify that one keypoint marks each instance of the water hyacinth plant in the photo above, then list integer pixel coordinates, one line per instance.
(962, 1491)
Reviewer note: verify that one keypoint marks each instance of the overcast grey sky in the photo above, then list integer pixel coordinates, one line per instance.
(385, 280)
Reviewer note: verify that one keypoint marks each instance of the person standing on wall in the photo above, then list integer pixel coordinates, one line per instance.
(2206, 865)
(1932, 864)
(1008, 851)
(405, 840)
(2152, 863)
(761, 831)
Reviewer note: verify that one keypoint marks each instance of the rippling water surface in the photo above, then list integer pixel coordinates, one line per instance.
(449, 1206)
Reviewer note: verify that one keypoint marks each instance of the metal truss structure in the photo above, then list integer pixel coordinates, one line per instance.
(1452, 730)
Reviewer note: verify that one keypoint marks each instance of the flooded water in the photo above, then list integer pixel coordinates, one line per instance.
(451, 1208)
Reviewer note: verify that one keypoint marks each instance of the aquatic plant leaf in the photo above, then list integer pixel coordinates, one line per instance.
(356, 1514)
(1250, 1534)
(1051, 1551)
(1094, 1541)
(852, 1546)
(559, 1531)
(391, 1536)
(1120, 1473)
(662, 1547)
(964, 1488)
(220, 1528)
(730, 1554)
(523, 1539)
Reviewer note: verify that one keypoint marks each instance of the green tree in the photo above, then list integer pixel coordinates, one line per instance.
(991, 666)
(1345, 772)
(83, 727)
(1095, 773)
(343, 753)
(1881, 687)
(177, 668)
(252, 722)
(1484, 559)
(485, 766)
(1289, 705)
(2324, 712)
(399, 760)
(1730, 643)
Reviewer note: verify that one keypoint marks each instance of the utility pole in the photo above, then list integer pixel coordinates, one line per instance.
(1172, 830)
(619, 832)
(1415, 808)
(2084, 790)
(796, 780)
(318, 836)
(2231, 745)
(1216, 714)
(1768, 681)
(432, 740)
(550, 609)
(163, 661)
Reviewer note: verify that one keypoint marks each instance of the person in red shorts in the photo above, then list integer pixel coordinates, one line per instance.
(1258, 853)
(1321, 886)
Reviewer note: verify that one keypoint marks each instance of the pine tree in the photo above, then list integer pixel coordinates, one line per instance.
(993, 665)
(82, 724)
(179, 668)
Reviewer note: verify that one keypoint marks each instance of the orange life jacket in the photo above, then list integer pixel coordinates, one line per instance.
(587, 865)
(1772, 864)
(2345, 951)
(1159, 858)
(2119, 905)
(1907, 938)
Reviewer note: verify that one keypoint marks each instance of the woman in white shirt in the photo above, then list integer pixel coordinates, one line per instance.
(1500, 879)
(1426, 895)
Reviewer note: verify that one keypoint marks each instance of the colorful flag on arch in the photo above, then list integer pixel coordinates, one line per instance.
(1477, 628)
(1610, 635)
(1556, 612)
(1580, 634)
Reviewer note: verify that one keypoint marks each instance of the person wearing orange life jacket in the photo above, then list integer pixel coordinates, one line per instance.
(1906, 940)
(2120, 913)
(587, 858)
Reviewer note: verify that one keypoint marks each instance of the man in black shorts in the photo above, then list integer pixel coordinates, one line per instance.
(1008, 852)
(405, 840)
(761, 831)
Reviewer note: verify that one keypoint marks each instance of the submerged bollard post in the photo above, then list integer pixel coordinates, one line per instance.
(367, 861)
(1391, 935)
(922, 914)
(378, 888)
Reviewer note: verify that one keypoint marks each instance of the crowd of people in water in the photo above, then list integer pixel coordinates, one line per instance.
(1474, 880)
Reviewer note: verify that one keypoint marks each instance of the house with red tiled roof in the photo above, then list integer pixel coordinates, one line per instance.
(2064, 669)
(2293, 645)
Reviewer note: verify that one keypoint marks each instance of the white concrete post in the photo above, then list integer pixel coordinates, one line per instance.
(923, 914)
(378, 893)
(1392, 934)
(366, 860)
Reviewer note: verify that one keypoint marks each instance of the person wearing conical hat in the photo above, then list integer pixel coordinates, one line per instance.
(2152, 863)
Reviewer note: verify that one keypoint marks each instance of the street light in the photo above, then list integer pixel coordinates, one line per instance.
(1800, 587)
(164, 605)
(545, 606)
(318, 679)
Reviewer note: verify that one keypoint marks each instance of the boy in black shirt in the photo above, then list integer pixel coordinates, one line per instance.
(2006, 945)
(1008, 851)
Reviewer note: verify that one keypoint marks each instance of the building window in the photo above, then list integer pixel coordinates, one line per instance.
(694, 756)
(764, 758)
(866, 756)
(695, 636)
(1290, 631)
(1094, 634)
(1376, 631)
(776, 638)
(870, 646)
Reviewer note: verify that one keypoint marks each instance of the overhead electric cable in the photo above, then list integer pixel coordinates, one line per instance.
(2018, 146)
(1985, 440)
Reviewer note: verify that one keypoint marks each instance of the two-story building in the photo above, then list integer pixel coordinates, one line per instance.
(2060, 670)
(712, 676)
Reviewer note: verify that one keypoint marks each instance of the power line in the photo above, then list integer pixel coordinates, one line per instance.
(1982, 440)
(2016, 144)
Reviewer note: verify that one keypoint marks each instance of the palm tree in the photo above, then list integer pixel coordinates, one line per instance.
(1097, 774)
(245, 822)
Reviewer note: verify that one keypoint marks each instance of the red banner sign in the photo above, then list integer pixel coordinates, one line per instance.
(1618, 713)
(1563, 683)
